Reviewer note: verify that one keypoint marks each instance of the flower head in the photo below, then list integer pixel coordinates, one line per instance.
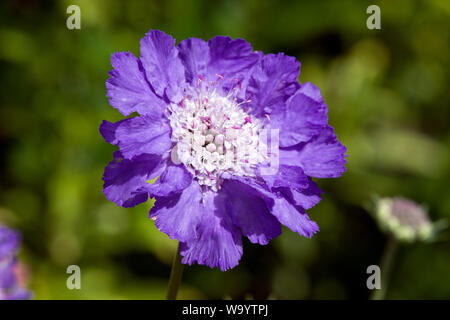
(232, 136)
(10, 287)
(404, 219)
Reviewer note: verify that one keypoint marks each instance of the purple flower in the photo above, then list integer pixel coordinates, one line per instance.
(10, 287)
(211, 115)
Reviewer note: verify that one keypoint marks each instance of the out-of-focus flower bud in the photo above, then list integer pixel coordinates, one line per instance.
(404, 219)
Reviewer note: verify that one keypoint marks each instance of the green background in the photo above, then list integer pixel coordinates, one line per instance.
(388, 96)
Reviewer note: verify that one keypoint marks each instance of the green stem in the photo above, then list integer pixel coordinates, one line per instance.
(385, 268)
(175, 276)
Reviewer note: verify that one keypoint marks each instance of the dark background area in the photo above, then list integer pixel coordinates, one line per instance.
(388, 97)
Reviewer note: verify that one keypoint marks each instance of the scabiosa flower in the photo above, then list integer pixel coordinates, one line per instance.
(10, 286)
(210, 114)
(404, 219)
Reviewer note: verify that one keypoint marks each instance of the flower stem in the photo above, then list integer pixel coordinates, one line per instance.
(386, 268)
(175, 276)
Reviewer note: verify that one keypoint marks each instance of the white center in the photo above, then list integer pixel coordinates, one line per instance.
(214, 135)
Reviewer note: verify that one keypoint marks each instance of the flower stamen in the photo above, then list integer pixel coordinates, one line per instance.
(213, 135)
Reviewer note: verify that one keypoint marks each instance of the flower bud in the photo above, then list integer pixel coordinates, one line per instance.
(404, 219)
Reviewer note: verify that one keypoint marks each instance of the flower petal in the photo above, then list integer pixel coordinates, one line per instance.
(125, 180)
(295, 218)
(232, 60)
(128, 90)
(286, 176)
(301, 119)
(218, 242)
(194, 54)
(248, 210)
(174, 179)
(306, 198)
(163, 68)
(178, 213)
(138, 135)
(273, 80)
(321, 157)
(311, 91)
(229, 57)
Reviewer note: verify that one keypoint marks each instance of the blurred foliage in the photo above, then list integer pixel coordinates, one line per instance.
(388, 97)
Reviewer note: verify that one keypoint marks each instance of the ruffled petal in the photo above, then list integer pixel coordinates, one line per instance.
(286, 176)
(321, 157)
(138, 135)
(230, 57)
(292, 216)
(311, 91)
(218, 242)
(295, 218)
(179, 213)
(273, 80)
(231, 60)
(302, 117)
(194, 54)
(306, 198)
(125, 180)
(248, 210)
(128, 90)
(173, 179)
(163, 68)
